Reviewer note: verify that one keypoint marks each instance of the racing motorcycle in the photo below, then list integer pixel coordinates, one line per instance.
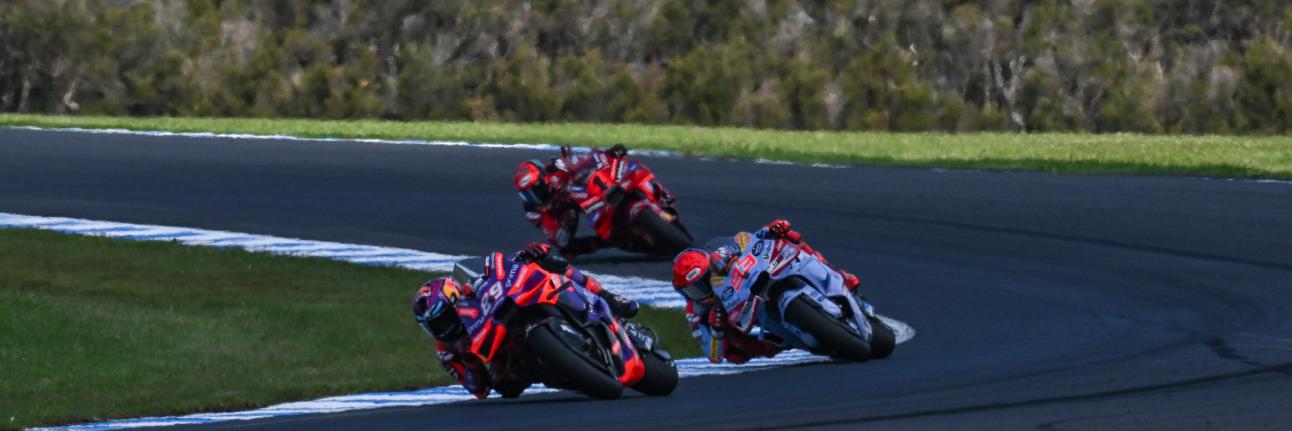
(536, 322)
(630, 209)
(778, 292)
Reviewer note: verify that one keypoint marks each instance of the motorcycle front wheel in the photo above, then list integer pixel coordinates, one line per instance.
(576, 370)
(831, 334)
(882, 339)
(660, 378)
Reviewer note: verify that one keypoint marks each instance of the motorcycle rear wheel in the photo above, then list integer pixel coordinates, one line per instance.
(578, 371)
(666, 238)
(831, 334)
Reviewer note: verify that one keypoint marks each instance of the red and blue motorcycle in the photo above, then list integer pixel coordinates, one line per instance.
(527, 319)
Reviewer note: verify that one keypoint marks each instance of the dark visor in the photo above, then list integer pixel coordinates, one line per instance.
(698, 291)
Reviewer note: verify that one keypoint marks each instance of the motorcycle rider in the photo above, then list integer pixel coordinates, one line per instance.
(435, 311)
(552, 194)
(696, 271)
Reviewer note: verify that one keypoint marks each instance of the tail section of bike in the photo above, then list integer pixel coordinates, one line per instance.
(632, 210)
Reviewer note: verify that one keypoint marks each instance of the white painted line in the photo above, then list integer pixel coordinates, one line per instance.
(495, 145)
(649, 292)
(210, 135)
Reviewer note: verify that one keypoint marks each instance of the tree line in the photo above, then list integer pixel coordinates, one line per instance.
(1186, 66)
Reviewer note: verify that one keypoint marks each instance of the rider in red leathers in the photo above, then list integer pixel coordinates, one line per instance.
(435, 311)
(696, 271)
(552, 193)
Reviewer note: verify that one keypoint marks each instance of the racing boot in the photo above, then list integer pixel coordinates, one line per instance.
(619, 306)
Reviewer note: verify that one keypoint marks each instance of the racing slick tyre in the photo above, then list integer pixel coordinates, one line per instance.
(830, 333)
(882, 339)
(660, 378)
(579, 372)
(667, 239)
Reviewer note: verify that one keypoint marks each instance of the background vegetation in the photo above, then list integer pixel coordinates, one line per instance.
(1188, 66)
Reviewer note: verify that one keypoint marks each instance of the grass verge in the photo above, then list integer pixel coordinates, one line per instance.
(96, 328)
(1231, 156)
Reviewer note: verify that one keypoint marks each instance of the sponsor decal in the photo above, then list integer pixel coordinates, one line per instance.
(781, 262)
(693, 275)
(475, 326)
(497, 264)
(758, 248)
(742, 240)
(511, 274)
(468, 312)
(784, 254)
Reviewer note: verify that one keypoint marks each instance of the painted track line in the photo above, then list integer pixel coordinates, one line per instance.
(440, 143)
(649, 292)
(249, 136)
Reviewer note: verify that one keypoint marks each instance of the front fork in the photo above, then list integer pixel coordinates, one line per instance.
(645, 340)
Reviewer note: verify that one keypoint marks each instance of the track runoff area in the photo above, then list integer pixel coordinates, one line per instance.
(651, 293)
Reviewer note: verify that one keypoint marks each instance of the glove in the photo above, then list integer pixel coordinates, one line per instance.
(618, 151)
(779, 227)
(535, 251)
(850, 281)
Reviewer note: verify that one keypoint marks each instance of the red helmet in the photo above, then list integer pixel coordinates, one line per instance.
(691, 274)
(530, 183)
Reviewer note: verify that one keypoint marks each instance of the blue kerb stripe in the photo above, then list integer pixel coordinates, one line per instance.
(438, 390)
(236, 238)
(290, 245)
(427, 261)
(105, 229)
(373, 256)
(52, 223)
(377, 263)
(339, 250)
(160, 235)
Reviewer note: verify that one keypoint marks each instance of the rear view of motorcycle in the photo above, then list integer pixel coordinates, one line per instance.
(630, 209)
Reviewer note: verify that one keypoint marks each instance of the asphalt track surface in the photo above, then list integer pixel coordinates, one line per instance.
(1042, 301)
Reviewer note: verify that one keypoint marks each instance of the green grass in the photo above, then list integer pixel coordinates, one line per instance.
(94, 328)
(1233, 156)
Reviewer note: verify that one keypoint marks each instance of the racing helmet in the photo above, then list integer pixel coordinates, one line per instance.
(691, 274)
(434, 310)
(530, 183)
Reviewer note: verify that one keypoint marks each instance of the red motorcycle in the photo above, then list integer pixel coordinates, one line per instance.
(540, 326)
(630, 209)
